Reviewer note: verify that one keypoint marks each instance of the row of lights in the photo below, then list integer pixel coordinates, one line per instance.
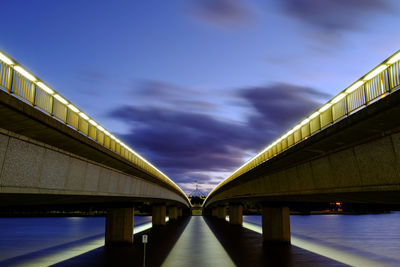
(50, 91)
(335, 100)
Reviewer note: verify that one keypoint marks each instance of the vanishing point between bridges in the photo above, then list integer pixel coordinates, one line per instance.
(55, 157)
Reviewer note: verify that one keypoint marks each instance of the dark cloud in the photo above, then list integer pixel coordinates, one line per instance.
(224, 12)
(187, 144)
(334, 16)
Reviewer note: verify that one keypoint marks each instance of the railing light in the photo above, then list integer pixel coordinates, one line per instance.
(355, 86)
(107, 132)
(73, 108)
(297, 127)
(83, 115)
(5, 59)
(45, 88)
(315, 114)
(394, 58)
(61, 99)
(25, 73)
(93, 122)
(338, 98)
(113, 137)
(305, 121)
(100, 128)
(325, 107)
(375, 72)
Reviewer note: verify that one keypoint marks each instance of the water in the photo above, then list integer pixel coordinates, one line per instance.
(45, 241)
(360, 240)
(370, 239)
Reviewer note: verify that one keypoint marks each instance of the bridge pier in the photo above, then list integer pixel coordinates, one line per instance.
(276, 225)
(119, 226)
(159, 213)
(214, 212)
(180, 213)
(221, 213)
(173, 213)
(236, 214)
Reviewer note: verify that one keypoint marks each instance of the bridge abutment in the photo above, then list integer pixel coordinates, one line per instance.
(119, 226)
(236, 214)
(276, 225)
(159, 213)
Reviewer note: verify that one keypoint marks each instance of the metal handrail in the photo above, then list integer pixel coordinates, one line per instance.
(17, 81)
(382, 80)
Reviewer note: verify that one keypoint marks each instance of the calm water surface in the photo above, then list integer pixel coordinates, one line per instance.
(374, 237)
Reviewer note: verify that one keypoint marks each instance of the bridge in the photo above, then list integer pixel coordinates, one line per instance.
(346, 151)
(53, 154)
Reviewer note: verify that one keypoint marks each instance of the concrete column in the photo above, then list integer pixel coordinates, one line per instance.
(158, 215)
(119, 226)
(173, 213)
(276, 225)
(236, 214)
(180, 212)
(221, 213)
(214, 212)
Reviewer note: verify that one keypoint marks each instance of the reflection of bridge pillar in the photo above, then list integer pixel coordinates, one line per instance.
(158, 215)
(119, 226)
(222, 213)
(173, 213)
(236, 214)
(276, 224)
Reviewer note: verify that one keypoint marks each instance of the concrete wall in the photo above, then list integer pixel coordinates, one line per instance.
(28, 166)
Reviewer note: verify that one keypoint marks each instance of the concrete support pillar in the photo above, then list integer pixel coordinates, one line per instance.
(221, 213)
(158, 215)
(119, 226)
(276, 225)
(173, 213)
(214, 212)
(180, 212)
(236, 214)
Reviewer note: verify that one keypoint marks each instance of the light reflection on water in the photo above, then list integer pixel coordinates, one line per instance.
(364, 239)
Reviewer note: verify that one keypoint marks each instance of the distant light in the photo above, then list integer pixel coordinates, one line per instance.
(375, 72)
(25, 73)
(100, 128)
(338, 98)
(45, 88)
(325, 107)
(83, 115)
(5, 59)
(305, 121)
(93, 122)
(315, 114)
(355, 86)
(62, 100)
(73, 108)
(394, 58)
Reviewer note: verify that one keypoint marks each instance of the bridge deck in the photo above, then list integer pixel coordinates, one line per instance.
(200, 241)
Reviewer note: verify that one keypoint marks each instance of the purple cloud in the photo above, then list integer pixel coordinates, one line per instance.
(187, 144)
(334, 16)
(227, 13)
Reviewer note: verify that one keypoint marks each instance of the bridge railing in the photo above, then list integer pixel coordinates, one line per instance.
(376, 84)
(20, 83)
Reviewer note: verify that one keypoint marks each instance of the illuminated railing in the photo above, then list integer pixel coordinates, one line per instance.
(20, 83)
(376, 84)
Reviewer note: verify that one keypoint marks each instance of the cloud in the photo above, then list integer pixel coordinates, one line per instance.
(226, 13)
(188, 145)
(334, 16)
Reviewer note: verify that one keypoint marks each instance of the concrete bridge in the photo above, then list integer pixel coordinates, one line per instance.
(346, 151)
(52, 154)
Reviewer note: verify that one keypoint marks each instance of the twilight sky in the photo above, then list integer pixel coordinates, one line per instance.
(199, 86)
